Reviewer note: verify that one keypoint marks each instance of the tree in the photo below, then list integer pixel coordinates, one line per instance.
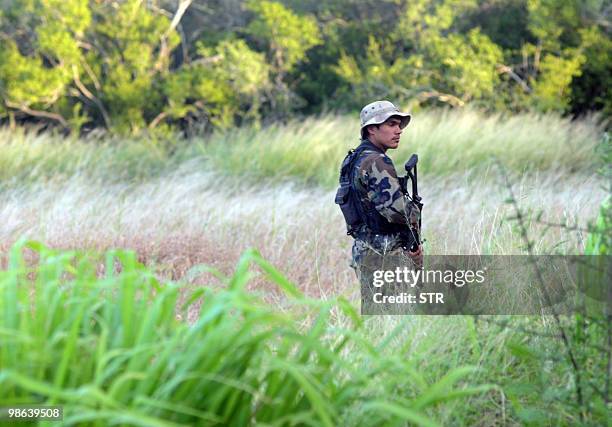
(132, 66)
(435, 62)
(225, 85)
(287, 38)
(40, 58)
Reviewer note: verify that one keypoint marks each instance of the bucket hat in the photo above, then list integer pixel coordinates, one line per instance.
(378, 112)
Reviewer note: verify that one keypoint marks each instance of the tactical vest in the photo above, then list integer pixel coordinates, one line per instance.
(361, 219)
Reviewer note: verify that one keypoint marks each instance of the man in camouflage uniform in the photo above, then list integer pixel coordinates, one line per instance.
(382, 200)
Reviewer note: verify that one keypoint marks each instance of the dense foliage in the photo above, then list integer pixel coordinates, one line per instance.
(130, 66)
(110, 350)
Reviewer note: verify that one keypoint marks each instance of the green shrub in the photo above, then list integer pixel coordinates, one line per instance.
(107, 346)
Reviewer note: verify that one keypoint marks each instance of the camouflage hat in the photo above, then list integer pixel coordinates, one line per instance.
(379, 111)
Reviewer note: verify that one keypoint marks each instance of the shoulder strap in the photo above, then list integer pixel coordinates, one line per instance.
(349, 161)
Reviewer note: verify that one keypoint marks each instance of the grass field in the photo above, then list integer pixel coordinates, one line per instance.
(310, 151)
(185, 203)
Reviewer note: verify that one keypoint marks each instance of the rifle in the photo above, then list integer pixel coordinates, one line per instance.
(411, 237)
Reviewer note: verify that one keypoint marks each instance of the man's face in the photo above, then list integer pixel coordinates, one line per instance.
(387, 134)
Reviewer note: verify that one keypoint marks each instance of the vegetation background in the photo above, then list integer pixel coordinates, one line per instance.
(186, 132)
(134, 66)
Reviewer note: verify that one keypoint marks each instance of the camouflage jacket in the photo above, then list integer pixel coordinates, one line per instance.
(378, 186)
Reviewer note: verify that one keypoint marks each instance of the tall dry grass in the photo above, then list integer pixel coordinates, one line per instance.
(309, 151)
(192, 217)
(189, 218)
(206, 201)
(448, 142)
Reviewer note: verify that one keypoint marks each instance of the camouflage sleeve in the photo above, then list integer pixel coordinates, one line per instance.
(380, 181)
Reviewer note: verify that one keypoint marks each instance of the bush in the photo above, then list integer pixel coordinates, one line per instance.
(103, 340)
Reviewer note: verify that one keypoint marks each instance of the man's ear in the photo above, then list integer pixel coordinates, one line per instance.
(367, 129)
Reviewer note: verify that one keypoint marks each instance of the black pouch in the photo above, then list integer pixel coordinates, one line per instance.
(344, 198)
